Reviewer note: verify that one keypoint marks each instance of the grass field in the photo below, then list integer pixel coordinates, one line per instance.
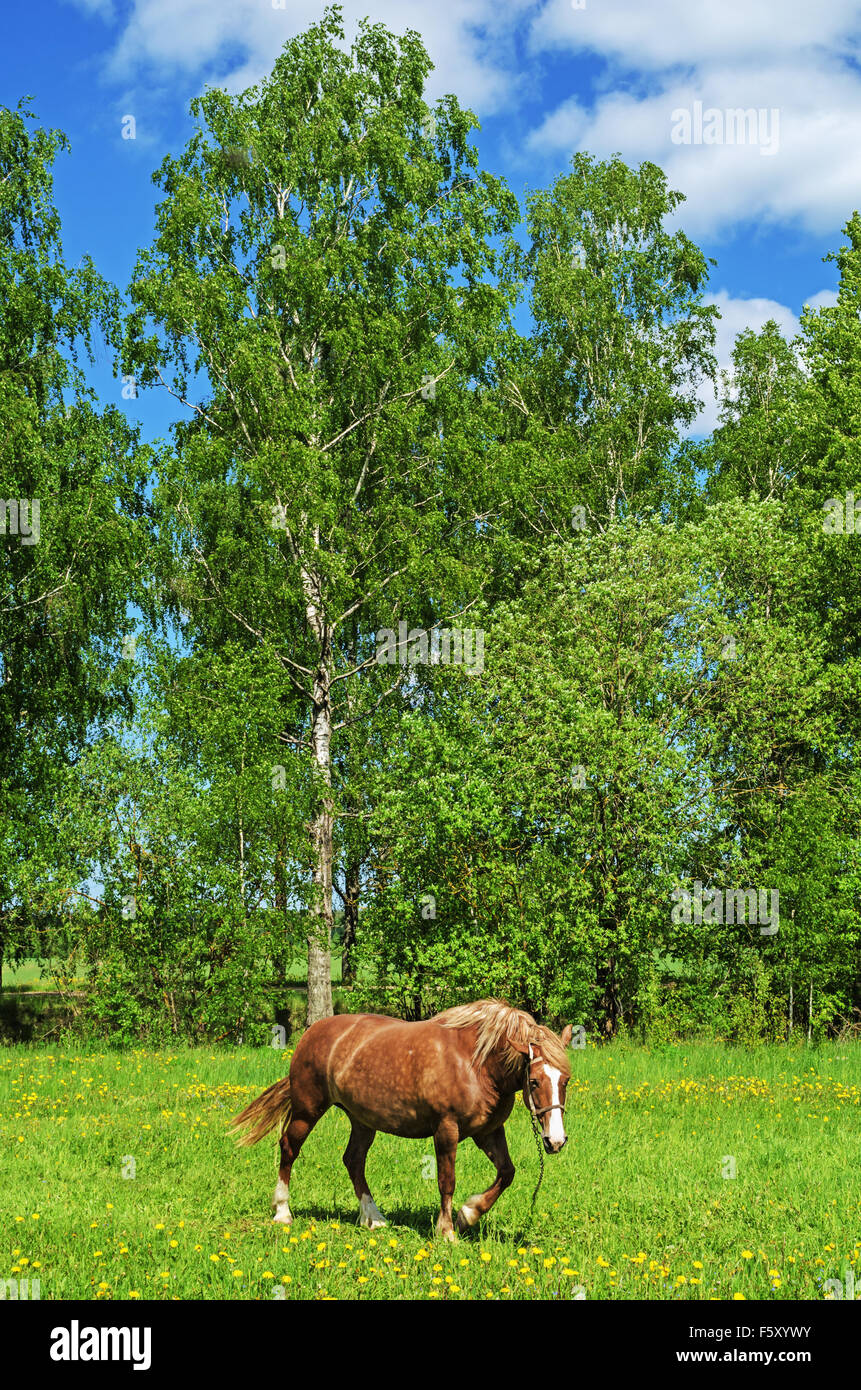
(640, 1204)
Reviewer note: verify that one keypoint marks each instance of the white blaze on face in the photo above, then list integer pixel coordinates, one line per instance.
(556, 1129)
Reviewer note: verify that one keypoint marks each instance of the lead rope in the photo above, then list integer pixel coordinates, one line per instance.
(536, 1131)
(533, 1119)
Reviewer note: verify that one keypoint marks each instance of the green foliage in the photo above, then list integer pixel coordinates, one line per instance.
(71, 480)
(669, 693)
(608, 378)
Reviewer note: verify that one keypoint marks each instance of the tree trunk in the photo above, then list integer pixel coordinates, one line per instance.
(322, 843)
(810, 1015)
(610, 1003)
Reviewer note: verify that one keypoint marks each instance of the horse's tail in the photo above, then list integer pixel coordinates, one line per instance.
(264, 1112)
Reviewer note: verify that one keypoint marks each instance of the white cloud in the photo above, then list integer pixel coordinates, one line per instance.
(735, 316)
(663, 34)
(766, 55)
(802, 167)
(791, 56)
(824, 299)
(237, 41)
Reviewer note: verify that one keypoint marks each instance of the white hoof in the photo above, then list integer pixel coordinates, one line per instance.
(467, 1216)
(370, 1215)
(283, 1214)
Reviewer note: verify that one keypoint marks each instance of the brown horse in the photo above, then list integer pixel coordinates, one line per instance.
(453, 1077)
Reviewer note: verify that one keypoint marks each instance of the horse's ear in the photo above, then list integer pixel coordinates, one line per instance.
(519, 1045)
(566, 1034)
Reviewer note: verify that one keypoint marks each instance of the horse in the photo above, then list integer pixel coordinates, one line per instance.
(451, 1077)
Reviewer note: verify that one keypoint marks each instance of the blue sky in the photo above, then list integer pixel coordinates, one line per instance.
(545, 78)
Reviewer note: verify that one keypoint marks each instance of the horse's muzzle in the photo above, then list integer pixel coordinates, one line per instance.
(554, 1146)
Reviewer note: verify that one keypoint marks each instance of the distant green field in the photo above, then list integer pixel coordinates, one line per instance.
(31, 975)
(28, 975)
(33, 1010)
(641, 1204)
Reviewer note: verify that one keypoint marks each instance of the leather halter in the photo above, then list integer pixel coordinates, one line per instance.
(545, 1108)
(531, 1107)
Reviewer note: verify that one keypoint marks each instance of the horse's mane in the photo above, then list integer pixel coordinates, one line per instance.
(500, 1027)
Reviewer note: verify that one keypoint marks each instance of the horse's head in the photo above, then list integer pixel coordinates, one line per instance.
(544, 1092)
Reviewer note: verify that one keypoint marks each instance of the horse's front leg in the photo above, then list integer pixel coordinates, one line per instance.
(361, 1139)
(496, 1148)
(445, 1143)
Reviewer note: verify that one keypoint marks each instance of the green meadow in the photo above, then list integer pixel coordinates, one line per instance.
(690, 1173)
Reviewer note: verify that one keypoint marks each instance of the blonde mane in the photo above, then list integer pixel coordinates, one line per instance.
(500, 1027)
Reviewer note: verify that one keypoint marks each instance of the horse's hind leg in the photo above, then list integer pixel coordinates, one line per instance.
(445, 1143)
(496, 1148)
(361, 1139)
(292, 1139)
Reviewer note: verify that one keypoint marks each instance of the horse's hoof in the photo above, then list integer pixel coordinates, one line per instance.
(449, 1234)
(468, 1215)
(371, 1217)
(282, 1219)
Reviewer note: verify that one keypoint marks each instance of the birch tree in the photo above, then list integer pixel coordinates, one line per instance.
(322, 297)
(604, 388)
(69, 490)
